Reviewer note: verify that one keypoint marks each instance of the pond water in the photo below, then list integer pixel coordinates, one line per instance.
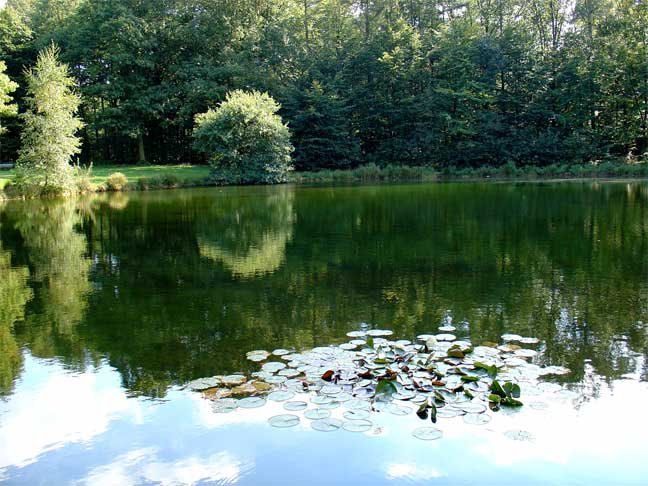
(110, 305)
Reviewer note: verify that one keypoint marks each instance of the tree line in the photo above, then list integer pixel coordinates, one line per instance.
(461, 83)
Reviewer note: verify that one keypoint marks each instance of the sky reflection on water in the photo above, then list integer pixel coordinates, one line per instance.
(91, 432)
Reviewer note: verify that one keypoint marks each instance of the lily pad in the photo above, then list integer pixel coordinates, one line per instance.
(447, 328)
(295, 406)
(473, 407)
(273, 366)
(326, 425)
(257, 356)
(521, 435)
(427, 433)
(317, 414)
(289, 373)
(233, 380)
(379, 332)
(355, 334)
(447, 412)
(396, 409)
(276, 380)
(204, 383)
(358, 404)
(224, 405)
(357, 425)
(445, 337)
(251, 402)
(280, 352)
(281, 396)
(476, 419)
(356, 414)
(284, 420)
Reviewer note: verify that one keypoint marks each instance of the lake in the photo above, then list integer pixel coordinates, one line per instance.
(110, 305)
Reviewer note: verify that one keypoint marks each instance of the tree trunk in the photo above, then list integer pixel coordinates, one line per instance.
(141, 156)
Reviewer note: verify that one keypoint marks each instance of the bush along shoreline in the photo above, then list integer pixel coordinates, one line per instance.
(369, 173)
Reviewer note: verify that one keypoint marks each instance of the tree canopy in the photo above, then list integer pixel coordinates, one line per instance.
(416, 82)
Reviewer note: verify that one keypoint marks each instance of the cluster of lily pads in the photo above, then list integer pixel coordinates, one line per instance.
(435, 376)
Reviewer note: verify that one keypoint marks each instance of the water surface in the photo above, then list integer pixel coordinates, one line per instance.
(109, 305)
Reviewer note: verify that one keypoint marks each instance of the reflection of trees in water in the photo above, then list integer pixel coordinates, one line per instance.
(14, 294)
(565, 263)
(248, 236)
(59, 274)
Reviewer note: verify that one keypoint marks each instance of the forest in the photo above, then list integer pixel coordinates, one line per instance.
(460, 83)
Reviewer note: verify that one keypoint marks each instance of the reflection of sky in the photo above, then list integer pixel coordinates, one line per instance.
(61, 427)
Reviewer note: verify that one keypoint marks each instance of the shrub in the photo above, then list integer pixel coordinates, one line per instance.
(170, 181)
(245, 139)
(143, 184)
(83, 179)
(116, 181)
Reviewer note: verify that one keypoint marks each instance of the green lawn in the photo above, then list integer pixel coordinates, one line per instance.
(133, 173)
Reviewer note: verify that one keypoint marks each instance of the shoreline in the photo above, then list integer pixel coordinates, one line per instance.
(170, 177)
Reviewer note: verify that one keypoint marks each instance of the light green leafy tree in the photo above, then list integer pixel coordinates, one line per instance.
(245, 139)
(49, 139)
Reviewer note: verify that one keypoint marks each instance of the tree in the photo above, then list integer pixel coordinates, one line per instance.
(7, 86)
(7, 108)
(245, 140)
(48, 140)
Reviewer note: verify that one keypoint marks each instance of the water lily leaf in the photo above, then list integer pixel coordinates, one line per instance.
(295, 406)
(521, 435)
(224, 405)
(326, 425)
(396, 409)
(511, 402)
(356, 414)
(357, 425)
(251, 402)
(427, 433)
(512, 389)
(469, 378)
(273, 366)
(494, 398)
(284, 420)
(281, 396)
(447, 412)
(317, 414)
(433, 413)
(497, 389)
(456, 353)
(491, 370)
(386, 387)
(422, 411)
(476, 418)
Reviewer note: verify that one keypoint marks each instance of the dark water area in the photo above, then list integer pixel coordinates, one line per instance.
(110, 304)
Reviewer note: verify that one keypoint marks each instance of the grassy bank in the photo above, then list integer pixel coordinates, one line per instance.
(139, 177)
(174, 176)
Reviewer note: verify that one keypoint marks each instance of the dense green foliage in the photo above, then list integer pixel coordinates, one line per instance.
(245, 140)
(7, 86)
(48, 138)
(409, 82)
